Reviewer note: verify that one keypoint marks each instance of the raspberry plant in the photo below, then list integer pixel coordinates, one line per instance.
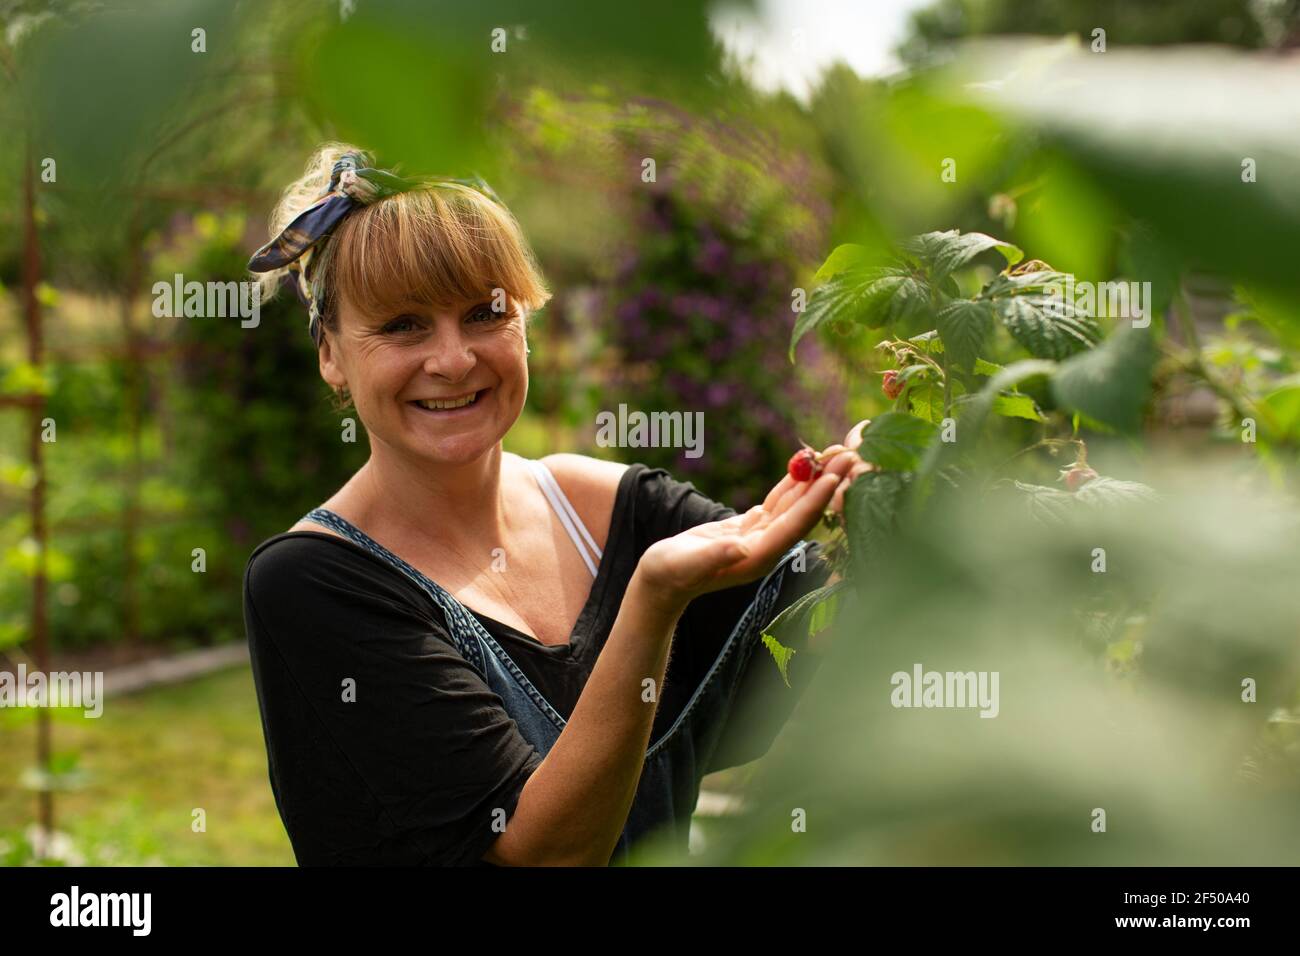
(944, 388)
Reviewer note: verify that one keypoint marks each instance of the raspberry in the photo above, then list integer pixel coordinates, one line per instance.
(892, 385)
(1077, 476)
(804, 465)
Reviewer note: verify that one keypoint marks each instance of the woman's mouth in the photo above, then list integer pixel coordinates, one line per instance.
(451, 407)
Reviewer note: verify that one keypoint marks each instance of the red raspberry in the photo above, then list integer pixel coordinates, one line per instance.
(892, 385)
(1078, 476)
(804, 465)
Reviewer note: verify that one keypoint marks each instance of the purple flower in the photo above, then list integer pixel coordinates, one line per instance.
(712, 256)
(711, 308)
(627, 310)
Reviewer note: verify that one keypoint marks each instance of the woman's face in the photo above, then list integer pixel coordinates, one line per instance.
(397, 365)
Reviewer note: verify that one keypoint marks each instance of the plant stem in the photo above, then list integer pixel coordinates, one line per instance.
(1195, 364)
(947, 387)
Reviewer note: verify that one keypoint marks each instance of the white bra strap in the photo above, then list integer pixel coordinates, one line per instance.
(567, 515)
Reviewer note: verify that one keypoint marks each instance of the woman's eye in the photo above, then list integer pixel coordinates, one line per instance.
(403, 324)
(484, 313)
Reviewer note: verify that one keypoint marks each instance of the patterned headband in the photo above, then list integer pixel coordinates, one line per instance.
(353, 183)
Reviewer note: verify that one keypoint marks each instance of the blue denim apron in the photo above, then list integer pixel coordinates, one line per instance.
(674, 764)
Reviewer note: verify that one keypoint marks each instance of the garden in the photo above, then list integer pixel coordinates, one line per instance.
(1050, 256)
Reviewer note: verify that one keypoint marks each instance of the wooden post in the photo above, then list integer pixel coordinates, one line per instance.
(35, 356)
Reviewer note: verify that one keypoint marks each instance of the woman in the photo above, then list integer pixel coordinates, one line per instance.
(467, 657)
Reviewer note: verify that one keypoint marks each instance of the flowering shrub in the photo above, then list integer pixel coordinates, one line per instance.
(698, 302)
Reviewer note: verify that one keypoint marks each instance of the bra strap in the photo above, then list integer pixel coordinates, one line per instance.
(566, 513)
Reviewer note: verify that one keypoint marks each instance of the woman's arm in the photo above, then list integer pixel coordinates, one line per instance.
(574, 806)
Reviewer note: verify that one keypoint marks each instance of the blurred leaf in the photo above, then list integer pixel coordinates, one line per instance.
(1067, 218)
(1106, 492)
(871, 505)
(1112, 382)
(1046, 504)
(849, 257)
(1017, 406)
(1285, 404)
(24, 378)
(1133, 121)
(374, 73)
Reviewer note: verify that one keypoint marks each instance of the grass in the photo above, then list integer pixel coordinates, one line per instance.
(151, 760)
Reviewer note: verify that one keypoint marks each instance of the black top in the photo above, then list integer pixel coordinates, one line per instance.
(410, 771)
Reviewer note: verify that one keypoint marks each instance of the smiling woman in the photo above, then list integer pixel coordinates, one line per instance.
(468, 657)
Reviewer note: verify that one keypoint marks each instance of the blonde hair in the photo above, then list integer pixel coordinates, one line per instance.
(435, 246)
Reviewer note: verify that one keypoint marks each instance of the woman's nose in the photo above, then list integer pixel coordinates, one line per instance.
(450, 356)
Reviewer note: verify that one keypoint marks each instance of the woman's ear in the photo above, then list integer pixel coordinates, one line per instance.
(329, 366)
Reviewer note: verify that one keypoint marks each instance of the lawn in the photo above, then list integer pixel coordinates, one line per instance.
(150, 761)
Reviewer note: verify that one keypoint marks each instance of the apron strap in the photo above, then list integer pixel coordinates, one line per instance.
(455, 613)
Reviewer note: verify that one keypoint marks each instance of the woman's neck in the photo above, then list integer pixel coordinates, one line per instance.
(457, 506)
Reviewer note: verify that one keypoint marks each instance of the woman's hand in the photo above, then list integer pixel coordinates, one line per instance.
(745, 547)
(843, 459)
(856, 467)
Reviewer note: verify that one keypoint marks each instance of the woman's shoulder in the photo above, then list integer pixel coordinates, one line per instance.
(309, 560)
(591, 484)
(582, 473)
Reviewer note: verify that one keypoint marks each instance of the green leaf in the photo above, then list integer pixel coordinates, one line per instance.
(945, 252)
(1015, 405)
(931, 343)
(849, 257)
(1043, 333)
(873, 297)
(964, 326)
(939, 455)
(912, 371)
(1285, 405)
(926, 400)
(781, 654)
(805, 617)
(1046, 324)
(823, 612)
(896, 440)
(1111, 382)
(872, 504)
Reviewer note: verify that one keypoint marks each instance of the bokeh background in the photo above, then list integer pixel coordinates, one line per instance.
(136, 148)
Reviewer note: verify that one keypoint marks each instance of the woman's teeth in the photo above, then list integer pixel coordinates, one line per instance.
(434, 405)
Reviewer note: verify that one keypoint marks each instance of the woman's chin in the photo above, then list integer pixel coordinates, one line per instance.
(460, 450)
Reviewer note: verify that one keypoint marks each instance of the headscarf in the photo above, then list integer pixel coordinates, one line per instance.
(354, 182)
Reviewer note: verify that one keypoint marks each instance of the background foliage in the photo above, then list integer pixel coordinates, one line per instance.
(1121, 690)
